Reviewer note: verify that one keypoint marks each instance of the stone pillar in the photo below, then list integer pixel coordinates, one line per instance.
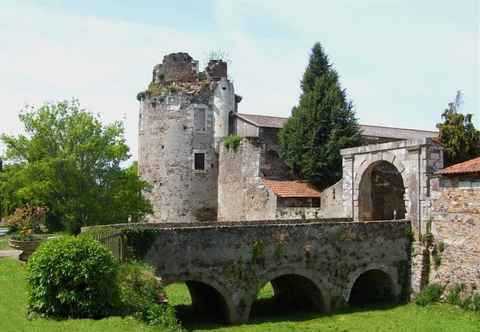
(348, 186)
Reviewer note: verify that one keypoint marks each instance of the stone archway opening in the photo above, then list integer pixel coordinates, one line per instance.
(372, 287)
(287, 294)
(381, 193)
(196, 302)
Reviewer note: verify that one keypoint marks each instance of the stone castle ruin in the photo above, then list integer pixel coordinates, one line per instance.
(186, 115)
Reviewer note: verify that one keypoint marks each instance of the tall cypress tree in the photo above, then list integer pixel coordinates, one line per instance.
(320, 126)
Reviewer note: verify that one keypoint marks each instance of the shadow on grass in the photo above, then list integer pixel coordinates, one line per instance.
(267, 311)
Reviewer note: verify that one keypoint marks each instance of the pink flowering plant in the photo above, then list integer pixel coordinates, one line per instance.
(26, 221)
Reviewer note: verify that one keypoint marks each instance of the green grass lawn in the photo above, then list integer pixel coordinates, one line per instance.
(4, 242)
(405, 318)
(13, 316)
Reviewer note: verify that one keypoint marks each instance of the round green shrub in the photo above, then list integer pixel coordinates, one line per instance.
(431, 294)
(143, 297)
(73, 277)
(138, 288)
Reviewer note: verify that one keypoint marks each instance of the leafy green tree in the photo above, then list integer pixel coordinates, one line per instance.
(320, 126)
(71, 163)
(458, 136)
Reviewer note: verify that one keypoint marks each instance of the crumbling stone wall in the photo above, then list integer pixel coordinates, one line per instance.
(456, 236)
(216, 69)
(273, 167)
(332, 201)
(181, 114)
(167, 142)
(179, 67)
(241, 192)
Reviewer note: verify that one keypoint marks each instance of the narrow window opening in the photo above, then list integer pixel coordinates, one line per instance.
(199, 161)
(200, 119)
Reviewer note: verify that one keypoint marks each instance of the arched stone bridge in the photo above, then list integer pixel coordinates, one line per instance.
(327, 263)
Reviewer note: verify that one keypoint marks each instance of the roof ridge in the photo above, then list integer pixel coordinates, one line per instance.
(242, 115)
(269, 116)
(382, 126)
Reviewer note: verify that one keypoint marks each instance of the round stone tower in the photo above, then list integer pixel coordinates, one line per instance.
(179, 116)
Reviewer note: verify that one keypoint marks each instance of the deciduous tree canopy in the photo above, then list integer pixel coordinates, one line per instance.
(459, 138)
(71, 163)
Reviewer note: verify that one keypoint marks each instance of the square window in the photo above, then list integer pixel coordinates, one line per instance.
(199, 161)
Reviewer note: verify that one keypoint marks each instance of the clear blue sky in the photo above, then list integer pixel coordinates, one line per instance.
(401, 61)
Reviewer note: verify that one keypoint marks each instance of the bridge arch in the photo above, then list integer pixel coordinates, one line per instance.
(372, 284)
(207, 294)
(381, 189)
(295, 287)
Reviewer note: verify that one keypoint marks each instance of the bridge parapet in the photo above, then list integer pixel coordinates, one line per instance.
(318, 261)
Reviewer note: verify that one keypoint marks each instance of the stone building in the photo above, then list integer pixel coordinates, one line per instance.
(186, 113)
(182, 114)
(455, 226)
(185, 116)
(260, 150)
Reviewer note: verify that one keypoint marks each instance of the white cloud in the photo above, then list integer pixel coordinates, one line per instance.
(401, 63)
(399, 60)
(52, 55)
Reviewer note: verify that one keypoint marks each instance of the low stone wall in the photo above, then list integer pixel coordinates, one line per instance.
(456, 233)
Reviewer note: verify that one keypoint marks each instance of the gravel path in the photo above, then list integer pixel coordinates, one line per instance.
(10, 253)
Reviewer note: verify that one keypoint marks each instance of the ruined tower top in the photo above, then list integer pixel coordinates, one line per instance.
(216, 69)
(179, 72)
(179, 67)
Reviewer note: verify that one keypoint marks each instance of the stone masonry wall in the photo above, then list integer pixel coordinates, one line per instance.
(332, 201)
(416, 162)
(241, 192)
(273, 167)
(456, 224)
(238, 259)
(167, 142)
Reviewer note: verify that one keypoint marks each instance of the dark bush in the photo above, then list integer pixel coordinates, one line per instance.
(453, 297)
(142, 296)
(138, 287)
(472, 303)
(432, 293)
(73, 277)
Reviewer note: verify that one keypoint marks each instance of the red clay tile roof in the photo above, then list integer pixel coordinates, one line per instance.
(266, 121)
(469, 166)
(291, 188)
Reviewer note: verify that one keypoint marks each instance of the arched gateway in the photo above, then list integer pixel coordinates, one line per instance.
(390, 181)
(381, 193)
